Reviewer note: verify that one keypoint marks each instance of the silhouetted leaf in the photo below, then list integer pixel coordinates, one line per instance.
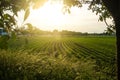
(27, 12)
(39, 3)
(29, 26)
(101, 18)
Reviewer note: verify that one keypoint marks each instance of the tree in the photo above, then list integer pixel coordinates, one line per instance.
(8, 12)
(105, 9)
(113, 6)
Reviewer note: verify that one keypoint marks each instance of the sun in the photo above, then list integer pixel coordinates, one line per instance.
(51, 13)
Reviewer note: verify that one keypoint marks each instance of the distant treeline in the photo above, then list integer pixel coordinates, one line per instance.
(36, 31)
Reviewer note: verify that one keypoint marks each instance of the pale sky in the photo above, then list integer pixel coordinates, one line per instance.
(50, 17)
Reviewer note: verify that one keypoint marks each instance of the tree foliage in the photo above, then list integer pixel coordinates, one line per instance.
(100, 9)
(97, 7)
(9, 9)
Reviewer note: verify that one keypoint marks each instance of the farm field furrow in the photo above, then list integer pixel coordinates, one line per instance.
(92, 52)
(78, 52)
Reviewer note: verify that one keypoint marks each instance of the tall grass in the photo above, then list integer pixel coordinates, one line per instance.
(24, 66)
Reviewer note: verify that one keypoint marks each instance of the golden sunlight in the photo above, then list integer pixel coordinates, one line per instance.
(50, 17)
(50, 12)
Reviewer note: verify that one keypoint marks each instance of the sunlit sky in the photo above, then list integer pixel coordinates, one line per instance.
(50, 17)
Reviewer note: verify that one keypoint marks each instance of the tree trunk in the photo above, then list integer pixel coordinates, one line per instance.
(117, 24)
